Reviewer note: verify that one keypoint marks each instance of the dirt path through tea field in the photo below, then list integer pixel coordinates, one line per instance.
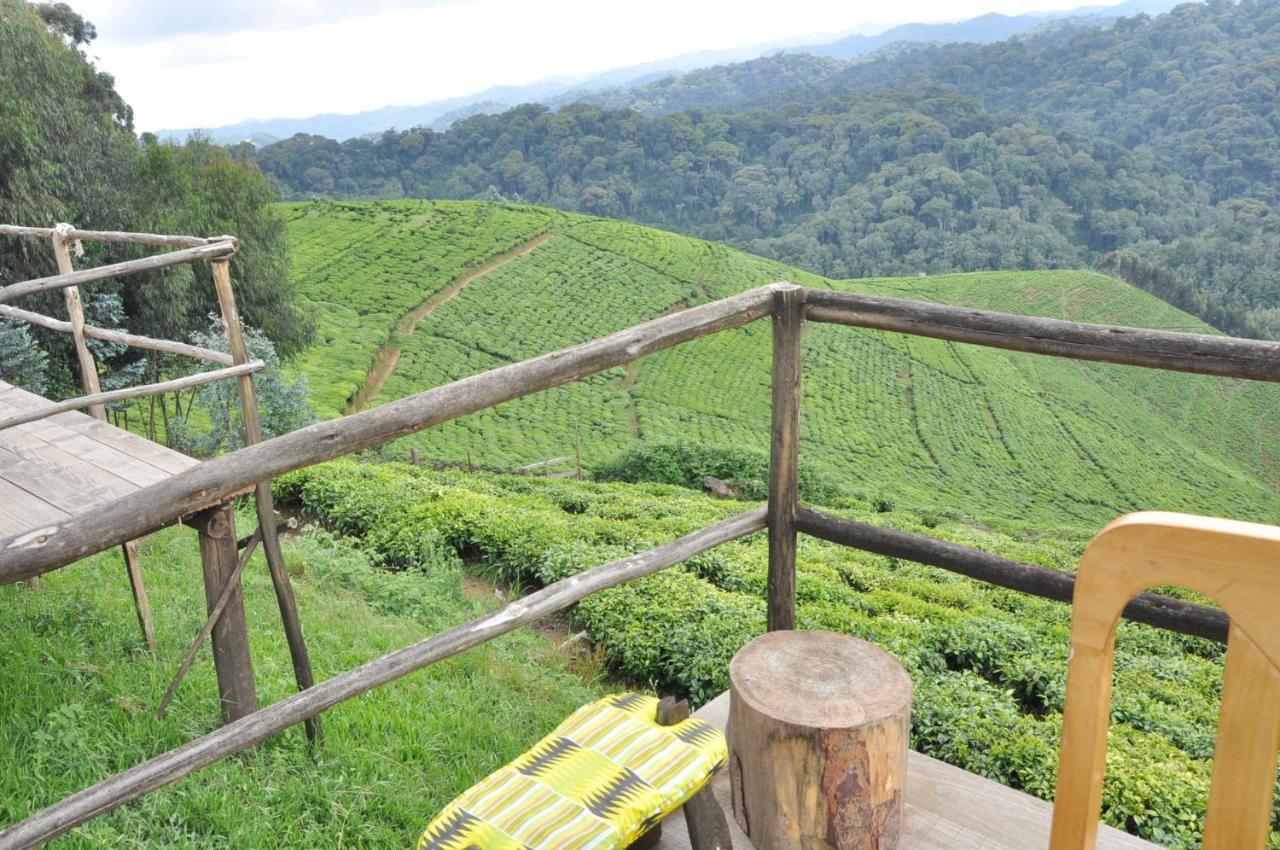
(384, 363)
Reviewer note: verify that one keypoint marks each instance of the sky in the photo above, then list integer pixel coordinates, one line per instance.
(184, 64)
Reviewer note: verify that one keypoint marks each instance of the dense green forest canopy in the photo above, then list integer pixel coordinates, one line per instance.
(68, 152)
(1157, 137)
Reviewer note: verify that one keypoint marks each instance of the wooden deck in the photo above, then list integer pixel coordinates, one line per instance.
(947, 809)
(70, 463)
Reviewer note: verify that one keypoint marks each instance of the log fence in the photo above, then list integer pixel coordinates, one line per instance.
(783, 517)
(216, 522)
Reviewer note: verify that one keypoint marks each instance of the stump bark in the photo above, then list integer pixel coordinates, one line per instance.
(818, 727)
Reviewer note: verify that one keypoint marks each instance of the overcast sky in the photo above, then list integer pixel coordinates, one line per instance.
(181, 63)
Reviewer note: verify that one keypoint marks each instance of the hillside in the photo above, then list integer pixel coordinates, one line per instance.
(912, 422)
(1156, 136)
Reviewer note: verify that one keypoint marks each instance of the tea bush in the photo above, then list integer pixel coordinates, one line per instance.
(689, 465)
(915, 423)
(988, 663)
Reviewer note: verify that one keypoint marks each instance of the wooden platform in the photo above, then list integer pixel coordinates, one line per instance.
(947, 809)
(70, 463)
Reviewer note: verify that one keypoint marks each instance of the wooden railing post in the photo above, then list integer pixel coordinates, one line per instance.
(75, 312)
(89, 380)
(216, 527)
(262, 493)
(784, 455)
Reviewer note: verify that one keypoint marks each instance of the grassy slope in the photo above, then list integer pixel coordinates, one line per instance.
(990, 434)
(79, 696)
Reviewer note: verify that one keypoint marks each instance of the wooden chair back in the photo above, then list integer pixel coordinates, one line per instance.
(1237, 564)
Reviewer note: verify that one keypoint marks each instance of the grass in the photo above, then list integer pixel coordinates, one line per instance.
(79, 693)
(990, 434)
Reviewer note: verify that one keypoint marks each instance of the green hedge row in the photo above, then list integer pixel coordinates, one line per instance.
(988, 664)
(689, 465)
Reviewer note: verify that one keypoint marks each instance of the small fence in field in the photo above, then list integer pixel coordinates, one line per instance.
(783, 517)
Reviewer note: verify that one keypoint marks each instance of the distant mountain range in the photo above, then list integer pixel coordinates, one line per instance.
(441, 114)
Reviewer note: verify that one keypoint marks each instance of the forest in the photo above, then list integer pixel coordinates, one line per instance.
(1156, 137)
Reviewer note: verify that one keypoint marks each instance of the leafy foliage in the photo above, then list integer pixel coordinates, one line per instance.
(68, 153)
(1155, 135)
(689, 465)
(282, 404)
(21, 362)
(988, 664)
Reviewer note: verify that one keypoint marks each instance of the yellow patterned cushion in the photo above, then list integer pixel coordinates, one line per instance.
(602, 779)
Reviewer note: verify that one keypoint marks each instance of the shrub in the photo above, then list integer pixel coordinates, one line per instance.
(688, 466)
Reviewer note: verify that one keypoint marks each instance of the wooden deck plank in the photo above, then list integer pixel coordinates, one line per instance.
(96, 460)
(26, 508)
(135, 446)
(56, 457)
(62, 485)
(157, 455)
(947, 809)
(69, 464)
(9, 525)
(60, 435)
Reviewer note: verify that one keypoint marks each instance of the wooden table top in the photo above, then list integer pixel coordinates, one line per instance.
(947, 809)
(67, 464)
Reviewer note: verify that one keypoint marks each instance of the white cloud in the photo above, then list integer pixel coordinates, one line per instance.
(183, 65)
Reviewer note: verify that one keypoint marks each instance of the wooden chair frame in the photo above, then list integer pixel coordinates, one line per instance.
(1237, 564)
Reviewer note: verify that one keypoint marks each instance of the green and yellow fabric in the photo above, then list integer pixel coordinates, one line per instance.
(602, 779)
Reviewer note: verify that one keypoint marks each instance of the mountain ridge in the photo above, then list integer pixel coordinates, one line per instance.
(559, 91)
(1155, 137)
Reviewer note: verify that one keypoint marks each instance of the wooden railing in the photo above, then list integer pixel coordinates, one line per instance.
(783, 517)
(236, 365)
(63, 236)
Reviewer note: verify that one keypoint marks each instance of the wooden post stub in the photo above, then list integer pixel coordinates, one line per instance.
(818, 726)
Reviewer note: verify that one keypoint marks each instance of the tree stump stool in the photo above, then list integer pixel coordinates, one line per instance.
(818, 726)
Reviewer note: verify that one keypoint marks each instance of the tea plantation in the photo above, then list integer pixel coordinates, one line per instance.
(1001, 436)
(988, 664)
(1019, 455)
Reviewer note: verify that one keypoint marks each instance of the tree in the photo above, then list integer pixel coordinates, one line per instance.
(22, 363)
(282, 404)
(68, 153)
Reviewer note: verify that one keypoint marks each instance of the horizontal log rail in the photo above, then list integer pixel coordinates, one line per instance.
(1153, 609)
(119, 337)
(71, 234)
(1205, 354)
(241, 734)
(530, 467)
(211, 251)
(211, 482)
(140, 391)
